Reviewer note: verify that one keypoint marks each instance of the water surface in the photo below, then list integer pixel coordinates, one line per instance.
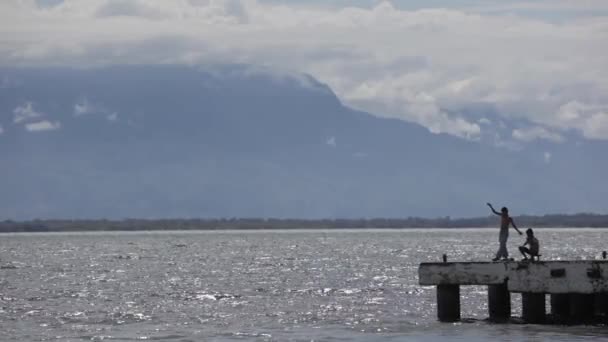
(303, 285)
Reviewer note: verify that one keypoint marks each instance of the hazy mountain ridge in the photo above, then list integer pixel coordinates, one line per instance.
(170, 141)
(545, 221)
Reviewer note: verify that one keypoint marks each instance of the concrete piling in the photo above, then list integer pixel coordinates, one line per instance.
(560, 306)
(578, 288)
(601, 304)
(448, 303)
(581, 307)
(499, 302)
(533, 307)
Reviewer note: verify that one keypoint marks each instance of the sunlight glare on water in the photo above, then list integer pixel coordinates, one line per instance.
(296, 285)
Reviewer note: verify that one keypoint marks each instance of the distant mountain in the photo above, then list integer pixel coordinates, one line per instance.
(239, 141)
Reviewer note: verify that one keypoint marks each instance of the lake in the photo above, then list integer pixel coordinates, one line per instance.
(291, 285)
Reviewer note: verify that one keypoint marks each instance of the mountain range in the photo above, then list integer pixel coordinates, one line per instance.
(164, 141)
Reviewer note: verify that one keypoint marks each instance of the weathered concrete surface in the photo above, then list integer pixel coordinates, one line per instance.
(581, 276)
(463, 273)
(584, 277)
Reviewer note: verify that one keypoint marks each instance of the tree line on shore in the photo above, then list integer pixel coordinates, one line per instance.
(55, 225)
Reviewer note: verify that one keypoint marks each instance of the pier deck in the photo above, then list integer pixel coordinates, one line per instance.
(578, 289)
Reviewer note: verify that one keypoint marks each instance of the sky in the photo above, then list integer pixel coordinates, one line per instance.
(431, 62)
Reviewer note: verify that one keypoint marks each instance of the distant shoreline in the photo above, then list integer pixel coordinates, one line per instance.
(583, 220)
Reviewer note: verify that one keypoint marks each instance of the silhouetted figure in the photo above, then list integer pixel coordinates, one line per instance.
(604, 254)
(445, 257)
(534, 246)
(505, 221)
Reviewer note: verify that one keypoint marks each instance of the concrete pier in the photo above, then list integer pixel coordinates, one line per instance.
(499, 302)
(578, 289)
(601, 304)
(448, 303)
(533, 307)
(560, 306)
(581, 307)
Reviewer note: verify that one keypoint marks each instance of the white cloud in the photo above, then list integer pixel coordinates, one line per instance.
(44, 125)
(536, 133)
(331, 142)
(591, 120)
(83, 107)
(596, 127)
(418, 65)
(547, 157)
(25, 113)
(395, 97)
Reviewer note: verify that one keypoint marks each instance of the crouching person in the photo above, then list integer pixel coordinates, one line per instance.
(532, 242)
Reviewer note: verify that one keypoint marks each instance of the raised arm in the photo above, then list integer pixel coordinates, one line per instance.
(494, 211)
(514, 226)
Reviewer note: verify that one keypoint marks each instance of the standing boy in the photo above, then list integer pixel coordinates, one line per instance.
(505, 221)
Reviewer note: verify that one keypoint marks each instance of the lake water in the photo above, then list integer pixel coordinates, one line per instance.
(304, 285)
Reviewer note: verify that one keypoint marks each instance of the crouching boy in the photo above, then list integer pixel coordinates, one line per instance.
(532, 242)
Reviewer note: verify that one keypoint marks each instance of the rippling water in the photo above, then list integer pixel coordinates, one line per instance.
(301, 285)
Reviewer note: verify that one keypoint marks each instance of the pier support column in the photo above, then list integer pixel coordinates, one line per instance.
(601, 304)
(581, 307)
(533, 307)
(448, 303)
(499, 302)
(560, 306)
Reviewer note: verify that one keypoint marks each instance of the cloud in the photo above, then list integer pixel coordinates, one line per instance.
(596, 127)
(112, 117)
(31, 119)
(48, 3)
(83, 107)
(591, 120)
(1, 130)
(547, 157)
(536, 133)
(396, 98)
(128, 8)
(422, 65)
(331, 142)
(25, 113)
(86, 107)
(44, 125)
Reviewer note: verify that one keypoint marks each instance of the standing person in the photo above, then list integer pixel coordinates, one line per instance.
(505, 221)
